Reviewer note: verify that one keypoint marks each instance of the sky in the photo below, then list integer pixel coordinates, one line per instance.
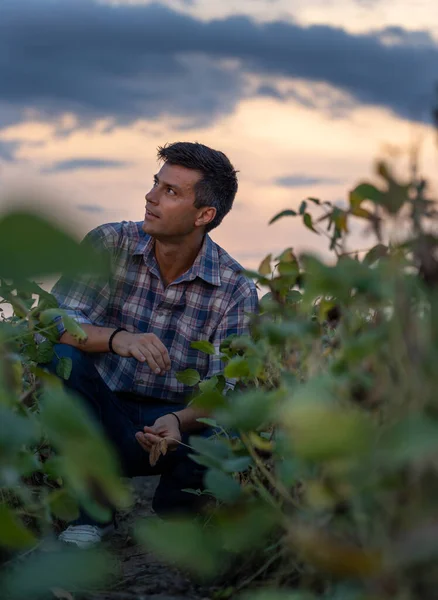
(302, 95)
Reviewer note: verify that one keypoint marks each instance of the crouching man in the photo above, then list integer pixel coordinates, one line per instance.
(171, 285)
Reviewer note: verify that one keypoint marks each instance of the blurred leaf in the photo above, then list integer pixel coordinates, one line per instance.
(31, 246)
(13, 534)
(222, 486)
(283, 213)
(204, 346)
(237, 367)
(307, 220)
(332, 556)
(45, 352)
(16, 430)
(213, 447)
(63, 505)
(247, 411)
(189, 377)
(48, 316)
(64, 568)
(314, 200)
(303, 207)
(185, 542)
(320, 431)
(64, 367)
(265, 266)
(365, 191)
(246, 528)
(373, 255)
(207, 421)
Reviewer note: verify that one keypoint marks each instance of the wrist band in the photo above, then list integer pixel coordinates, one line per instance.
(178, 419)
(110, 341)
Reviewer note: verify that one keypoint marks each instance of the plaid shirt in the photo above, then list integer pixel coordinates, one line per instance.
(211, 301)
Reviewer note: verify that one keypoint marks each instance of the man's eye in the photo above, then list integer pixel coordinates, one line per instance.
(170, 191)
(155, 183)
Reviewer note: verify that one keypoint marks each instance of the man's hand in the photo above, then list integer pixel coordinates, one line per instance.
(145, 347)
(164, 427)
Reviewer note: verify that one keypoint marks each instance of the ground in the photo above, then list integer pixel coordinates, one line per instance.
(143, 577)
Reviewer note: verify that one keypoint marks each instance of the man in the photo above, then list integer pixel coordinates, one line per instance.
(171, 285)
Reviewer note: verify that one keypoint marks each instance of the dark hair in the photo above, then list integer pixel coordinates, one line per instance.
(218, 186)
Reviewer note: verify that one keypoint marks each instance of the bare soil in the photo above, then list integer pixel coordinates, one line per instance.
(143, 575)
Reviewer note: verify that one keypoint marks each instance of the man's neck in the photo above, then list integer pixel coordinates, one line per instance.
(176, 257)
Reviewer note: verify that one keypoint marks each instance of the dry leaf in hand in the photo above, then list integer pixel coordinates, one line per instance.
(156, 451)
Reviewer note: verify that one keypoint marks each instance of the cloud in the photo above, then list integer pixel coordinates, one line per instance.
(91, 208)
(75, 164)
(303, 180)
(133, 61)
(8, 150)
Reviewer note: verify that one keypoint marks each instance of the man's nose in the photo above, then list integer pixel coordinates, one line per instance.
(150, 196)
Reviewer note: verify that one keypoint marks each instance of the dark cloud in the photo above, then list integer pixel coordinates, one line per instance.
(8, 149)
(84, 163)
(303, 180)
(91, 208)
(131, 61)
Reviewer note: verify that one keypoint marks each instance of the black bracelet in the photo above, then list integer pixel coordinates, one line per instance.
(110, 341)
(178, 419)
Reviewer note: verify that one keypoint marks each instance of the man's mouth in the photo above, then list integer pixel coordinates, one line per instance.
(149, 213)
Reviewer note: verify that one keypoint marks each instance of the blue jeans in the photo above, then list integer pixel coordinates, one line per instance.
(121, 416)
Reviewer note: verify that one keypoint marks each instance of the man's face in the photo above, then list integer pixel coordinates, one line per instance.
(170, 204)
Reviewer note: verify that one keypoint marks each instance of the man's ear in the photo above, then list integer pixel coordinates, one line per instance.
(205, 216)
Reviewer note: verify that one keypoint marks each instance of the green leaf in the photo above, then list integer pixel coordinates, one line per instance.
(248, 411)
(222, 486)
(186, 542)
(237, 367)
(307, 220)
(213, 447)
(303, 207)
(207, 385)
(63, 505)
(315, 200)
(204, 346)
(64, 367)
(373, 255)
(265, 265)
(31, 246)
(189, 377)
(13, 534)
(364, 191)
(48, 316)
(207, 421)
(16, 431)
(62, 568)
(45, 352)
(283, 213)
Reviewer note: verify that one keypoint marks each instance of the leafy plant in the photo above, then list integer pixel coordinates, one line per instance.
(335, 411)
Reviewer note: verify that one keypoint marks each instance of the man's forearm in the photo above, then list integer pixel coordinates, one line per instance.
(188, 418)
(97, 340)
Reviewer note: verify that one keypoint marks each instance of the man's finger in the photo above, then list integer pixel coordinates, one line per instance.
(161, 348)
(142, 441)
(152, 359)
(153, 439)
(138, 354)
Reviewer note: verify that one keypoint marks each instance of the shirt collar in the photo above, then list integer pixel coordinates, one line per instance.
(206, 265)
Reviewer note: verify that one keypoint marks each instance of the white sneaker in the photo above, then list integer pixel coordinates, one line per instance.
(85, 536)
